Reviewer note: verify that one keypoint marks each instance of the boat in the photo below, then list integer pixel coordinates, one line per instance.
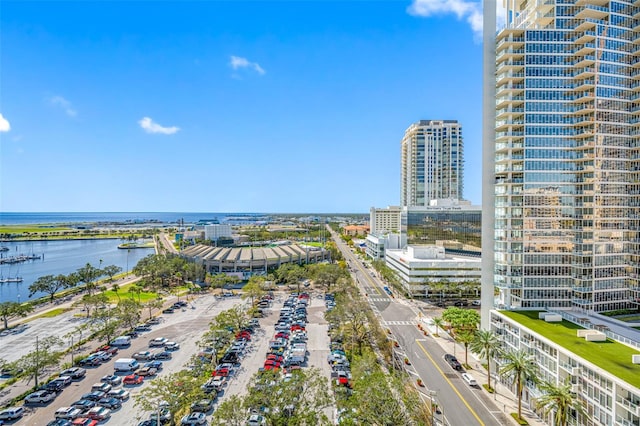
(10, 280)
(4, 248)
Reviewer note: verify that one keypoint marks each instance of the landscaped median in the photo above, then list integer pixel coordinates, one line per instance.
(609, 355)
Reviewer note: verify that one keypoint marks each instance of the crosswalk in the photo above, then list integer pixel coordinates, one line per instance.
(379, 299)
(399, 323)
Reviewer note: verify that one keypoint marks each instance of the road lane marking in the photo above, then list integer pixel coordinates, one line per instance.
(450, 384)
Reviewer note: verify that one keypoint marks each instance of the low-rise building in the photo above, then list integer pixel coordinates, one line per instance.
(600, 360)
(418, 266)
(354, 230)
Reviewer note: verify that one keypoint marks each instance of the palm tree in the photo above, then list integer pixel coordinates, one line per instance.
(115, 289)
(466, 337)
(487, 345)
(439, 323)
(519, 367)
(558, 399)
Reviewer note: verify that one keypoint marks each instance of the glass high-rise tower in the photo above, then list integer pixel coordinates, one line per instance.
(566, 155)
(432, 162)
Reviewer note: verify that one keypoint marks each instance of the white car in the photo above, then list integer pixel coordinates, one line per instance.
(158, 341)
(67, 413)
(11, 413)
(121, 394)
(40, 397)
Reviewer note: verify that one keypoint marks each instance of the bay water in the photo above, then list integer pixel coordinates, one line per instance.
(60, 257)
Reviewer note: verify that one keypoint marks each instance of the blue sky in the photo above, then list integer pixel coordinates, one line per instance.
(212, 106)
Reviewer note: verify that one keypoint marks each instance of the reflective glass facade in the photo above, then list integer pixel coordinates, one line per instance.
(458, 231)
(567, 155)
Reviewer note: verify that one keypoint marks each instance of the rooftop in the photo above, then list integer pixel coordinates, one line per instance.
(611, 356)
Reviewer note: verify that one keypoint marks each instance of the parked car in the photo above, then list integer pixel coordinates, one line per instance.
(171, 346)
(84, 405)
(110, 403)
(68, 413)
(102, 387)
(162, 355)
(194, 419)
(132, 379)
(158, 341)
(168, 311)
(76, 373)
(154, 364)
(84, 421)
(202, 406)
(469, 379)
(40, 397)
(147, 371)
(111, 379)
(154, 321)
(94, 396)
(121, 394)
(60, 422)
(99, 413)
(142, 328)
(143, 356)
(12, 413)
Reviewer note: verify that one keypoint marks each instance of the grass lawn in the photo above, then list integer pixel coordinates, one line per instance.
(50, 314)
(124, 293)
(611, 356)
(21, 229)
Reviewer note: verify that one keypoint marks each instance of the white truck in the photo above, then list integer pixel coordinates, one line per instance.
(126, 364)
(121, 341)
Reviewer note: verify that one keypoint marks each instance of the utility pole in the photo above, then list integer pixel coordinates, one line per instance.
(36, 369)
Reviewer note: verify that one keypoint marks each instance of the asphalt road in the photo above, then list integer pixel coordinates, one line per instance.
(460, 404)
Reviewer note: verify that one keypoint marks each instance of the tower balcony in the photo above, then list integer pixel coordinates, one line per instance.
(503, 125)
(585, 49)
(582, 97)
(505, 113)
(592, 11)
(510, 65)
(504, 101)
(510, 89)
(585, 37)
(586, 24)
(585, 108)
(584, 61)
(509, 77)
(583, 85)
(596, 2)
(585, 72)
(511, 53)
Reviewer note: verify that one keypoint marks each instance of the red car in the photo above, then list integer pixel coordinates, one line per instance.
(84, 421)
(297, 328)
(106, 348)
(243, 335)
(272, 363)
(281, 334)
(274, 357)
(132, 379)
(221, 372)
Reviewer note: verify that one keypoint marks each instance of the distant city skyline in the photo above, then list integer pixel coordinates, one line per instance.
(228, 106)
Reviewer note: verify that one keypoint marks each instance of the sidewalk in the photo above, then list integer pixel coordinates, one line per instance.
(503, 398)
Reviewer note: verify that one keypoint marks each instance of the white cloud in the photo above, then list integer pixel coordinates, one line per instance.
(61, 102)
(471, 11)
(238, 62)
(4, 124)
(150, 127)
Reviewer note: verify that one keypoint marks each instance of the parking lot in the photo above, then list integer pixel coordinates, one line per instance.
(185, 327)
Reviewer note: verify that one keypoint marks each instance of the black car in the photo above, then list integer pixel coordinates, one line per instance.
(168, 311)
(453, 362)
(94, 396)
(110, 403)
(162, 355)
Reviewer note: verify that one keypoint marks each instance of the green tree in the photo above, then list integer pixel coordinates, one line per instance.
(466, 337)
(461, 319)
(9, 310)
(111, 271)
(116, 288)
(299, 400)
(46, 284)
(177, 390)
(253, 289)
(43, 356)
(290, 274)
(327, 274)
(230, 413)
(87, 275)
(89, 302)
(519, 367)
(129, 312)
(487, 345)
(559, 400)
(151, 305)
